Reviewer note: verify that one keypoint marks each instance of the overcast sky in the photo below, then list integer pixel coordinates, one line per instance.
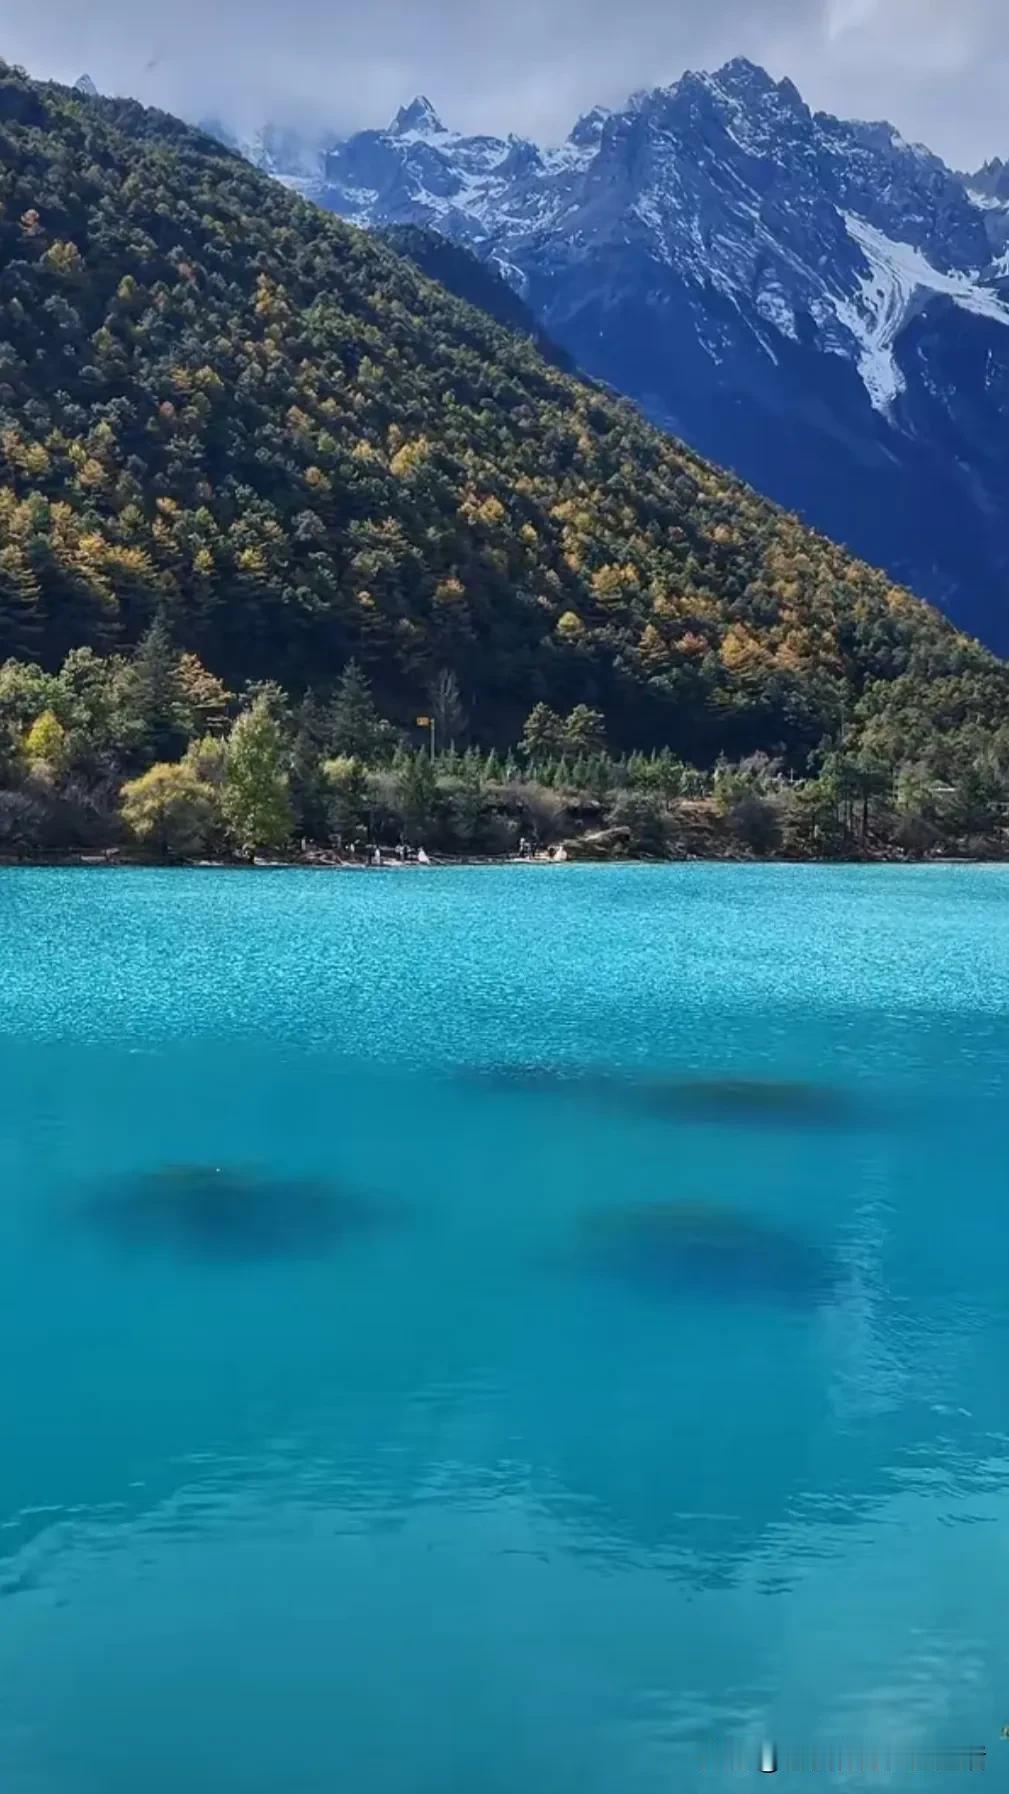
(938, 69)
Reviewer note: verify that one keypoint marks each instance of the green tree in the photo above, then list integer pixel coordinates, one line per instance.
(310, 793)
(584, 731)
(812, 820)
(976, 797)
(755, 821)
(348, 795)
(96, 698)
(647, 820)
(21, 619)
(25, 692)
(204, 699)
(355, 725)
(542, 735)
(207, 757)
(158, 695)
(46, 745)
(170, 810)
(418, 791)
(466, 804)
(254, 797)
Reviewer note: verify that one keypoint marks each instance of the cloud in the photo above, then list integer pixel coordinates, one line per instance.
(937, 70)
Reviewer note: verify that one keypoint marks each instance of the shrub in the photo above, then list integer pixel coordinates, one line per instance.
(170, 810)
(647, 820)
(756, 823)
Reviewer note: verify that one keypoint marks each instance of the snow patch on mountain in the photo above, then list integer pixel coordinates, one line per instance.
(772, 305)
(727, 184)
(986, 202)
(897, 273)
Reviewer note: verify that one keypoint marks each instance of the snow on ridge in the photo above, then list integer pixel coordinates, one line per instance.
(986, 202)
(897, 272)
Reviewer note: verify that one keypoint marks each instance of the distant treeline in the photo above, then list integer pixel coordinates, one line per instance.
(150, 753)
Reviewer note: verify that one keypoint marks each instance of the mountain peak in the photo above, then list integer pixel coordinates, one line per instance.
(420, 116)
(739, 71)
(589, 128)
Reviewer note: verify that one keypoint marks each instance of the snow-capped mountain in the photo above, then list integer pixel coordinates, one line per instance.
(814, 302)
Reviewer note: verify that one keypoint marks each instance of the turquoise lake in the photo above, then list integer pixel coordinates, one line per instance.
(502, 1330)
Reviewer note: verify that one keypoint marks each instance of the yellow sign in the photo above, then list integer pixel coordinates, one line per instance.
(423, 722)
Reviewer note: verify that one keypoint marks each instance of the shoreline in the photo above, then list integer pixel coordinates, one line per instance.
(112, 860)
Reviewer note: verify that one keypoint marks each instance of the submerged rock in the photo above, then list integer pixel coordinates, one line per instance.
(681, 1247)
(770, 1100)
(213, 1212)
(743, 1098)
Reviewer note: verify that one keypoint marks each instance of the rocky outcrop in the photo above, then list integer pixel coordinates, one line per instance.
(599, 844)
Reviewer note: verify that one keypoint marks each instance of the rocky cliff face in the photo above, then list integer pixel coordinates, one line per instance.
(815, 302)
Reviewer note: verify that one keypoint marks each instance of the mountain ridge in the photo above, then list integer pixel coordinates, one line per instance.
(226, 411)
(815, 302)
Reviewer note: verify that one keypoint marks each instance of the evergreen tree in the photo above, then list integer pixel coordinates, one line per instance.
(158, 697)
(543, 733)
(309, 789)
(418, 786)
(348, 797)
(355, 726)
(584, 731)
(20, 607)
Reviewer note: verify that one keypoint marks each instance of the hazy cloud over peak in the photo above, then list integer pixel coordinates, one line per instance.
(938, 70)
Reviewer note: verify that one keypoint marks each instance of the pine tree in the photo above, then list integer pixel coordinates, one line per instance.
(418, 796)
(584, 731)
(20, 607)
(542, 734)
(158, 696)
(355, 726)
(311, 796)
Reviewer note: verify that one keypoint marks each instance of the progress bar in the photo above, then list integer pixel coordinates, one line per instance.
(846, 1759)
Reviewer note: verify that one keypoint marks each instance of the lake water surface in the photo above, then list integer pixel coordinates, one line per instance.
(502, 1331)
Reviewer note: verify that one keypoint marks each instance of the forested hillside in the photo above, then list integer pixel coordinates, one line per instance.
(225, 409)
(477, 282)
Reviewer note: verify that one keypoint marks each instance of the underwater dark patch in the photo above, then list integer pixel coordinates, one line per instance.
(671, 1248)
(742, 1098)
(219, 1213)
(683, 1097)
